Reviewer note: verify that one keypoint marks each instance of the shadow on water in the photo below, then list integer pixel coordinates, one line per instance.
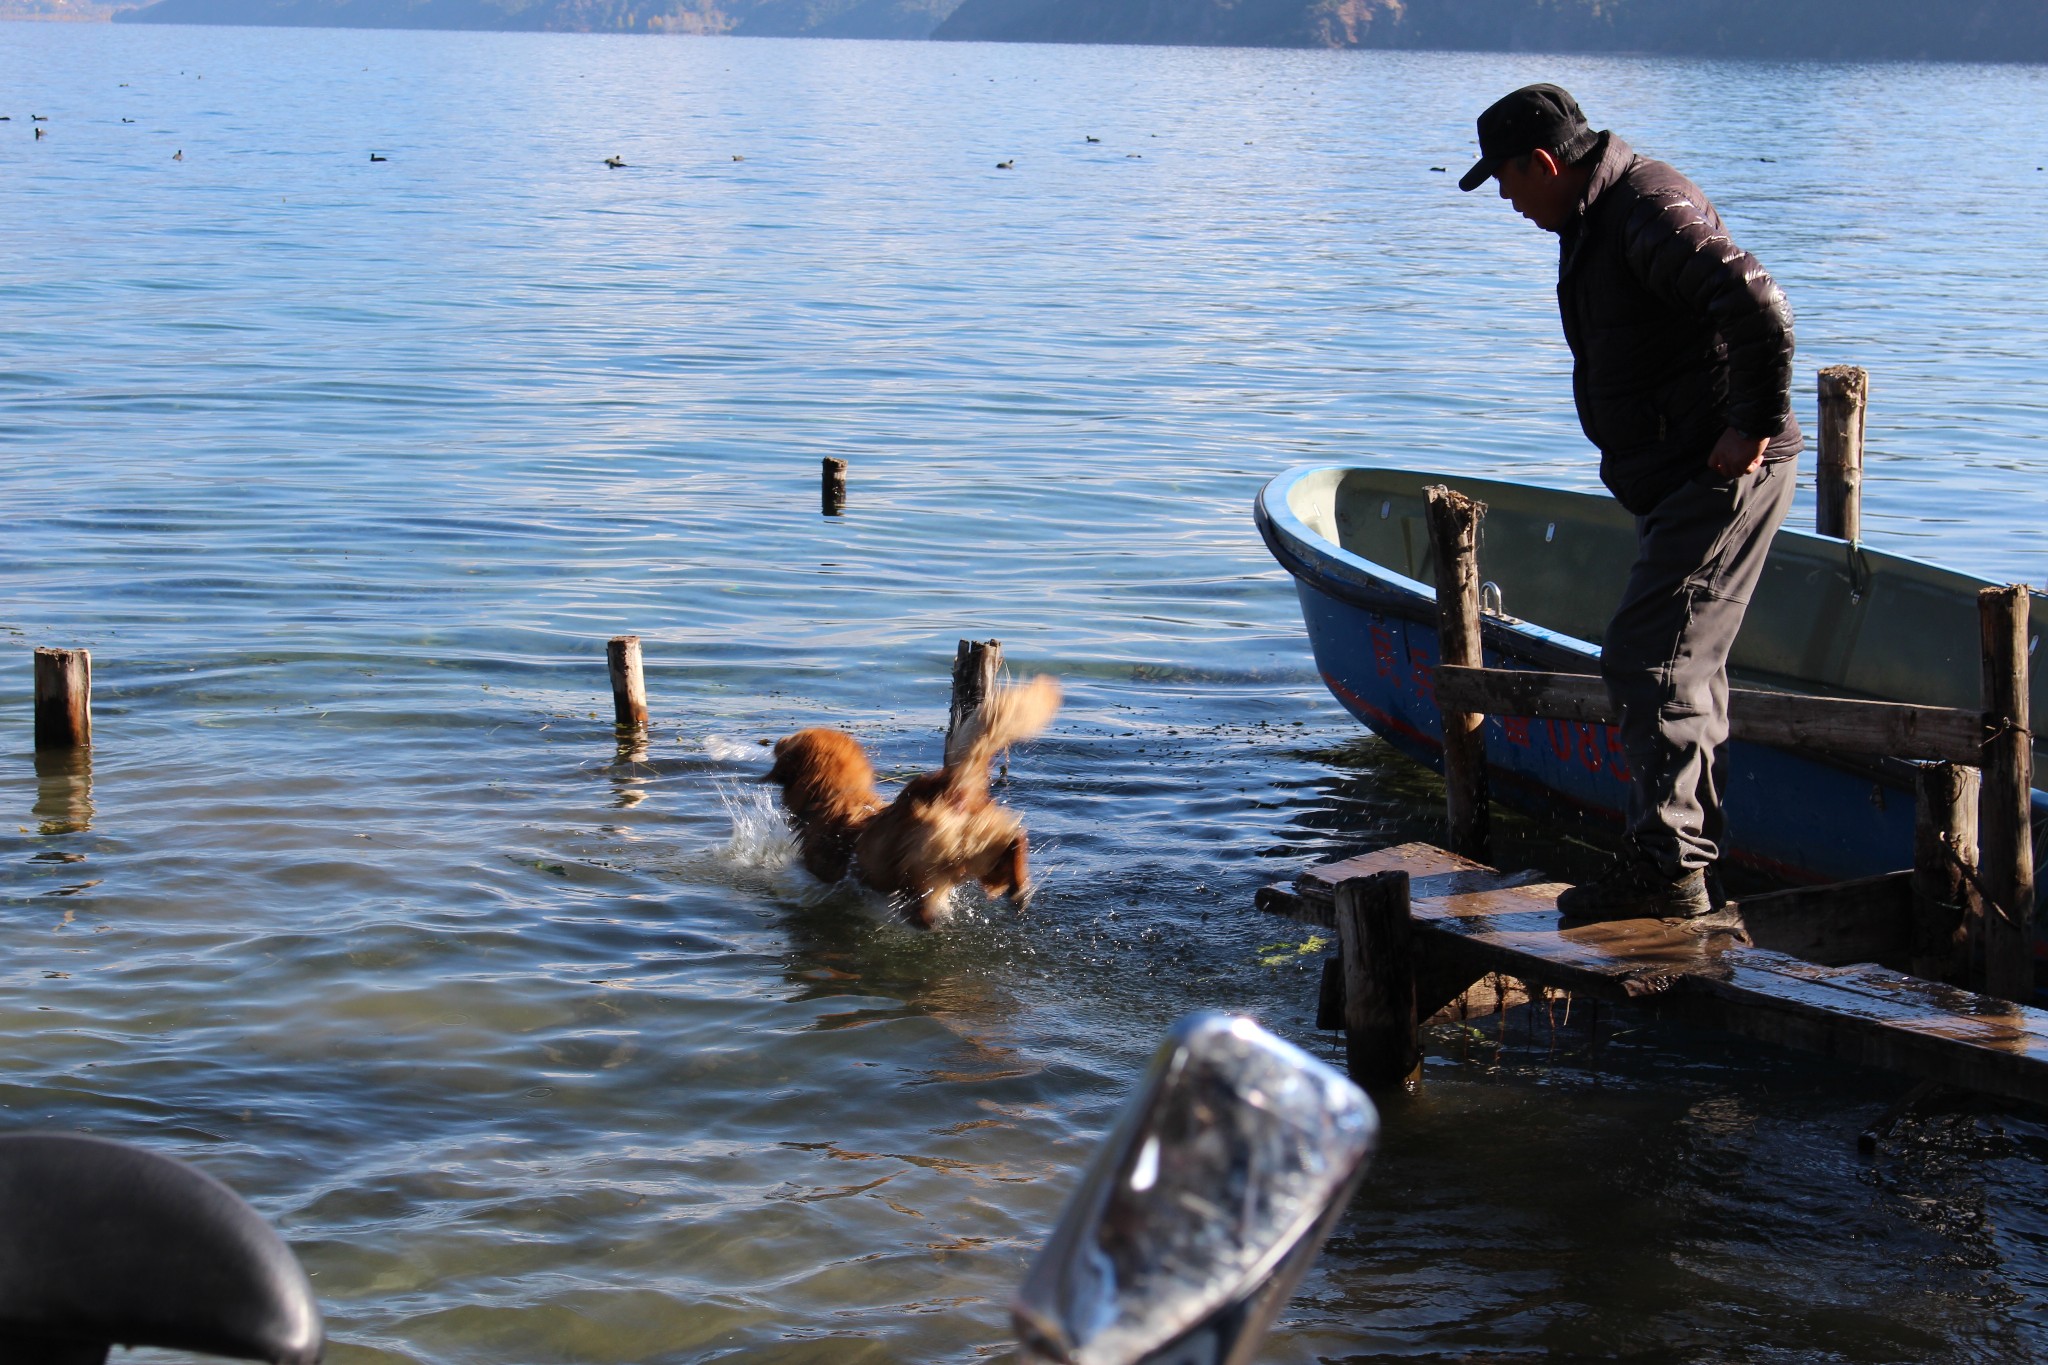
(1367, 786)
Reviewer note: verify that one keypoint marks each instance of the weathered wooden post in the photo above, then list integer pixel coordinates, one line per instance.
(976, 665)
(1454, 535)
(833, 492)
(1376, 943)
(63, 698)
(629, 688)
(2005, 835)
(1945, 908)
(1838, 479)
(1330, 995)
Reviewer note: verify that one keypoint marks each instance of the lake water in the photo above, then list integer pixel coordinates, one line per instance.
(346, 470)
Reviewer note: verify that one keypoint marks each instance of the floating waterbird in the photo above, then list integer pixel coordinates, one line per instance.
(1440, 169)
(6, 118)
(127, 120)
(1095, 139)
(739, 158)
(38, 118)
(1006, 165)
(375, 157)
(180, 156)
(1134, 156)
(615, 161)
(39, 134)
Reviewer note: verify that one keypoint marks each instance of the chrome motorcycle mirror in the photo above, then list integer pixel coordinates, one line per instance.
(1204, 1206)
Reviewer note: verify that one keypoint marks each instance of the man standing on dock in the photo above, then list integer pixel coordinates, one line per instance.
(1682, 372)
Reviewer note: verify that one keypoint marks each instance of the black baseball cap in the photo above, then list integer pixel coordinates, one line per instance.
(1544, 116)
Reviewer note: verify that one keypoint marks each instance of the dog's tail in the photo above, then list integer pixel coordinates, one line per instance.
(1008, 715)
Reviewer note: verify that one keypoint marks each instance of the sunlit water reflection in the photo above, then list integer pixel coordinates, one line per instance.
(542, 1052)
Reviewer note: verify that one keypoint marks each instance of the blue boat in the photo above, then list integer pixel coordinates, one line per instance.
(1829, 617)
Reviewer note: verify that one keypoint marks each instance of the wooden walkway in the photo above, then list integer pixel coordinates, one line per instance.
(1470, 920)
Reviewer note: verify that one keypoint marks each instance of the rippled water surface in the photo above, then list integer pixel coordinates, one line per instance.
(539, 1051)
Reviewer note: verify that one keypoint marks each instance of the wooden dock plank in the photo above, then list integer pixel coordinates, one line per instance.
(1912, 1033)
(1471, 920)
(1866, 920)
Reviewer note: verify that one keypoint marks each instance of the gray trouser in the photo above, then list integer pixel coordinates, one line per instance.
(1699, 554)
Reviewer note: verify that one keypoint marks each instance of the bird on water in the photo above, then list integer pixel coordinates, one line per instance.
(615, 161)
(375, 157)
(180, 156)
(1095, 139)
(1006, 165)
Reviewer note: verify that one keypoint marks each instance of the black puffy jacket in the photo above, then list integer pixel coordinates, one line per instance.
(1676, 332)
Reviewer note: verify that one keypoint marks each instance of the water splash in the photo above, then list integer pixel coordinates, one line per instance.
(761, 848)
(760, 840)
(732, 750)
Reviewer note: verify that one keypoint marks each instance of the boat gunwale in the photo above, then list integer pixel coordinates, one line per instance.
(1293, 542)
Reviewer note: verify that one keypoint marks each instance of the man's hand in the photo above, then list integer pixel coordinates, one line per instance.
(1735, 455)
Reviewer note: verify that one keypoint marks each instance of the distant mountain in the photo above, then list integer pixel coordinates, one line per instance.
(776, 18)
(1879, 30)
(1882, 30)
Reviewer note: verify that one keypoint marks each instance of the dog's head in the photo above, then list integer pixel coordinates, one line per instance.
(821, 770)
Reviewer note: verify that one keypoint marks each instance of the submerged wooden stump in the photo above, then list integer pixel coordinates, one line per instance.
(629, 688)
(976, 666)
(63, 698)
(832, 489)
(1376, 943)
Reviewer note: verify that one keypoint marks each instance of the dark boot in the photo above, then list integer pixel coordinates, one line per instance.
(1632, 888)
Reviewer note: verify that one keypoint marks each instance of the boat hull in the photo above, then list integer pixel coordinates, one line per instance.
(1792, 814)
(1791, 817)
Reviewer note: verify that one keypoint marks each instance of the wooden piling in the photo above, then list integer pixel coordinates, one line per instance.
(833, 491)
(976, 665)
(629, 688)
(1945, 908)
(63, 698)
(1376, 943)
(2005, 804)
(1838, 482)
(1454, 535)
(1330, 995)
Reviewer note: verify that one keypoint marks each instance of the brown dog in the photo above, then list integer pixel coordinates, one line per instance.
(942, 829)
